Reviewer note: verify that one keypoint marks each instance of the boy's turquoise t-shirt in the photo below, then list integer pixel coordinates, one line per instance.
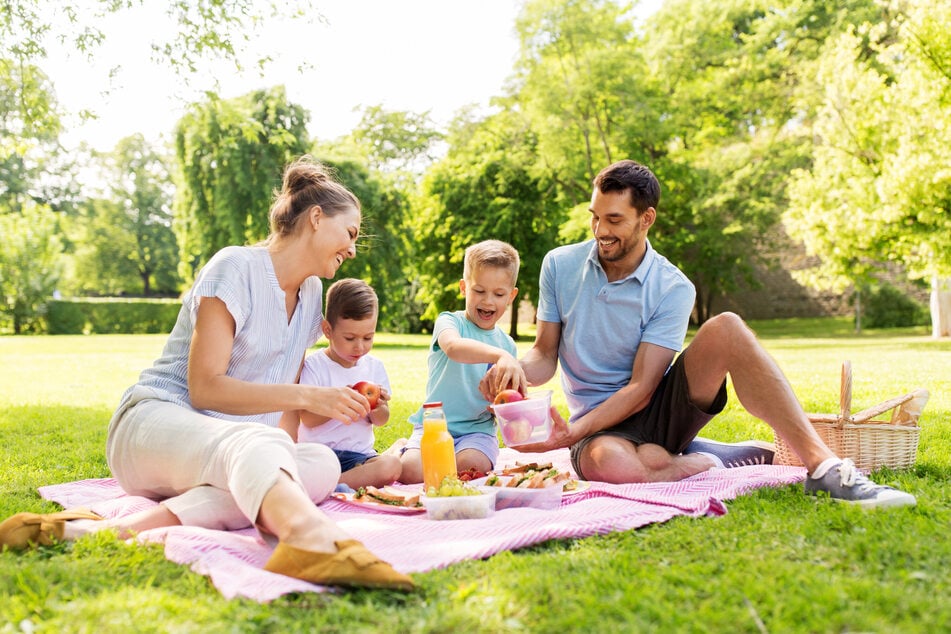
(457, 384)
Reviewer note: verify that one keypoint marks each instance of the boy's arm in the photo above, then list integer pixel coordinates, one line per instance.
(461, 350)
(290, 421)
(311, 419)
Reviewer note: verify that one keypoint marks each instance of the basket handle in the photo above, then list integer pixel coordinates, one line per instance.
(907, 417)
(845, 393)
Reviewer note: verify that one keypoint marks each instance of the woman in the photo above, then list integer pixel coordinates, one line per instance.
(190, 432)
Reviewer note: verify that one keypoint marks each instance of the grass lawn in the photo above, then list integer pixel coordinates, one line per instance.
(777, 562)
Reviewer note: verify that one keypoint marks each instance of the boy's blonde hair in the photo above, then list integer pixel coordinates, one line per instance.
(493, 253)
(350, 298)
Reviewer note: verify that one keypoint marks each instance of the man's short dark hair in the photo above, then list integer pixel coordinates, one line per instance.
(630, 176)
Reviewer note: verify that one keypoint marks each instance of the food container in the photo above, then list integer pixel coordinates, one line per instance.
(526, 421)
(460, 507)
(545, 498)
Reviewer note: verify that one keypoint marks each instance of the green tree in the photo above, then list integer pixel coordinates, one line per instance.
(381, 161)
(384, 249)
(878, 189)
(577, 64)
(396, 140)
(30, 265)
(230, 154)
(29, 129)
(128, 245)
(31, 117)
(728, 69)
(483, 189)
(102, 260)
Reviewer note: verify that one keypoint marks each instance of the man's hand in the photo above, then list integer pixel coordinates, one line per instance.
(560, 436)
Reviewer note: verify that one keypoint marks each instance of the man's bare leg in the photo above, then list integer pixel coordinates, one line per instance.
(619, 461)
(725, 345)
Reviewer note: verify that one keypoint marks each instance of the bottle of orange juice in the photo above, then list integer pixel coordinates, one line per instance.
(437, 448)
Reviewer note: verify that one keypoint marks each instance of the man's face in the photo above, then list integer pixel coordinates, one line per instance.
(618, 227)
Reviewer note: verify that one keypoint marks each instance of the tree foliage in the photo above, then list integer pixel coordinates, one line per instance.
(878, 188)
(485, 189)
(127, 245)
(729, 69)
(577, 68)
(230, 155)
(30, 265)
(396, 141)
(385, 245)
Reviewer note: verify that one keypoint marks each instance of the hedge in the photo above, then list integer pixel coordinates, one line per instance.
(113, 316)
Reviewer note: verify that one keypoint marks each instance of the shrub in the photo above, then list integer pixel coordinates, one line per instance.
(114, 316)
(887, 307)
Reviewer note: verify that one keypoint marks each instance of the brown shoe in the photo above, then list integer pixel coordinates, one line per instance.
(25, 530)
(351, 565)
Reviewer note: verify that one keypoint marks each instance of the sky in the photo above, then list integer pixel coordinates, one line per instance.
(415, 55)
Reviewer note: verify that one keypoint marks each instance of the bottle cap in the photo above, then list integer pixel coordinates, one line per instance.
(433, 404)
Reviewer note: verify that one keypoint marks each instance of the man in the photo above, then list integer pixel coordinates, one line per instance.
(614, 313)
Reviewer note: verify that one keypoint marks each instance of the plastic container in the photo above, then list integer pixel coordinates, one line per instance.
(437, 449)
(460, 507)
(546, 498)
(526, 421)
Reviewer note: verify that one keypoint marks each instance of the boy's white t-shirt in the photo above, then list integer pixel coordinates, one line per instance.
(320, 369)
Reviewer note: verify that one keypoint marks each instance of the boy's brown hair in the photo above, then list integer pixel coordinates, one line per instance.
(350, 298)
(493, 253)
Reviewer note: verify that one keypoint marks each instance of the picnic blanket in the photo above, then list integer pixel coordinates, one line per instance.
(233, 560)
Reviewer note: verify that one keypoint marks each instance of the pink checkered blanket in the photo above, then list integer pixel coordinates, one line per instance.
(234, 560)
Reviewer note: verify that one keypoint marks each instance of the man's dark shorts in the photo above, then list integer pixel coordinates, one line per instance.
(670, 420)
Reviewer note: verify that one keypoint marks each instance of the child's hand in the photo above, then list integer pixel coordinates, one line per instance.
(380, 414)
(508, 374)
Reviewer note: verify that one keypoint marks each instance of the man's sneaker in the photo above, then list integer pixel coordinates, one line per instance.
(843, 482)
(738, 454)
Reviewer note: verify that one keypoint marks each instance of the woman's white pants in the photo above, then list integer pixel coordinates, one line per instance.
(207, 471)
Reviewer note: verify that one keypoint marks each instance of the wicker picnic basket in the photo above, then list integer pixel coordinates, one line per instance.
(870, 444)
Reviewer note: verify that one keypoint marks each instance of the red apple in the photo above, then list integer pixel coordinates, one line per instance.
(516, 431)
(507, 396)
(369, 390)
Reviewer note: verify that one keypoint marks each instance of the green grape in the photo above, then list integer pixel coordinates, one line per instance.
(452, 486)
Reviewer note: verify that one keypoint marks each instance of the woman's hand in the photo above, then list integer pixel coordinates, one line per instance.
(343, 403)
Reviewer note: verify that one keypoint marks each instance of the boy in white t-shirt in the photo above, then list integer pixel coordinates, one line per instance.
(349, 325)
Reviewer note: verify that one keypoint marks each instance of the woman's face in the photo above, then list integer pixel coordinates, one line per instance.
(335, 240)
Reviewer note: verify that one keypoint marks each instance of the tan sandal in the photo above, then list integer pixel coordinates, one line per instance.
(26, 530)
(351, 565)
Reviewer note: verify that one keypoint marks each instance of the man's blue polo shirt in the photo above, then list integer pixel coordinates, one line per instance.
(603, 323)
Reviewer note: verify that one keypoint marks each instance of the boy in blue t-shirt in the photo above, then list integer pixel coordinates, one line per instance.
(465, 343)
